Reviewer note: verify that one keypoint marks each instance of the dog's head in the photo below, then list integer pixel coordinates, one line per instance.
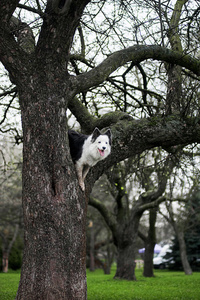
(102, 142)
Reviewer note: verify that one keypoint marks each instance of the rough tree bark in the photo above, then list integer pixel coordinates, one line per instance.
(54, 207)
(53, 204)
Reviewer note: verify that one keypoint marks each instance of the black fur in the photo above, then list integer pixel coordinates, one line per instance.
(109, 134)
(95, 134)
(76, 141)
(87, 150)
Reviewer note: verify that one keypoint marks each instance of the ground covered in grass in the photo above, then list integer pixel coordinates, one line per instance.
(165, 285)
(9, 284)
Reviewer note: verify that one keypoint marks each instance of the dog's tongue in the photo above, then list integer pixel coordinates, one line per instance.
(101, 152)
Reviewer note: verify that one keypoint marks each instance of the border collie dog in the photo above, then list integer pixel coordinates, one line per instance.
(87, 150)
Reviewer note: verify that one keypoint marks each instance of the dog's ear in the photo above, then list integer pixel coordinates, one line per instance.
(95, 134)
(109, 134)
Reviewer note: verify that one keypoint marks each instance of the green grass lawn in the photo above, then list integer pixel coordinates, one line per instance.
(8, 285)
(165, 285)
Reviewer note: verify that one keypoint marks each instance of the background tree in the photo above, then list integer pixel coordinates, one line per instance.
(191, 234)
(179, 229)
(100, 248)
(149, 243)
(182, 214)
(124, 217)
(10, 199)
(148, 182)
(162, 172)
(54, 67)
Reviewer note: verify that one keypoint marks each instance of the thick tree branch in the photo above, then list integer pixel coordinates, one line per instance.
(10, 52)
(89, 122)
(86, 120)
(15, 54)
(152, 204)
(54, 39)
(131, 137)
(136, 54)
(107, 215)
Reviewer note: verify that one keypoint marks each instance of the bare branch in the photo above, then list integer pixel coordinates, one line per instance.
(82, 40)
(6, 110)
(107, 215)
(31, 9)
(136, 54)
(88, 122)
(13, 90)
(152, 204)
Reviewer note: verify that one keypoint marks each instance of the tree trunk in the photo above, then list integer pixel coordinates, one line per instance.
(148, 259)
(92, 264)
(5, 256)
(107, 267)
(6, 248)
(150, 242)
(108, 258)
(186, 266)
(126, 248)
(54, 207)
(126, 262)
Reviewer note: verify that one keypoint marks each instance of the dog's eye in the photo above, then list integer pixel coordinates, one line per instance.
(106, 142)
(99, 142)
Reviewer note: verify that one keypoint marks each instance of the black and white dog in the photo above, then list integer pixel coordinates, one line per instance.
(87, 150)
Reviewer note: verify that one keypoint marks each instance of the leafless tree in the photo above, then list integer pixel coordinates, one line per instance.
(50, 56)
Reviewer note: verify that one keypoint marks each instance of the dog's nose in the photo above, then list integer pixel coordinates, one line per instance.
(103, 148)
